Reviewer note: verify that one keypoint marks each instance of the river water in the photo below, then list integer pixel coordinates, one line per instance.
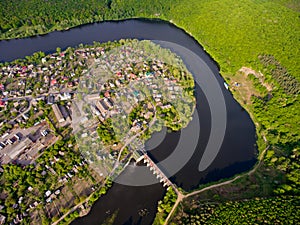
(236, 152)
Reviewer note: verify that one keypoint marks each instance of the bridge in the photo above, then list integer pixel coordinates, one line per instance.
(141, 155)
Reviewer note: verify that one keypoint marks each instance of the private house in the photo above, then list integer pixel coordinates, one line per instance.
(2, 103)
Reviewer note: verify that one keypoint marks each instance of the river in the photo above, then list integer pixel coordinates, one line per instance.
(236, 152)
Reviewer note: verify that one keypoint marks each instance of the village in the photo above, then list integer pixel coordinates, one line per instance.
(129, 100)
(19, 101)
(41, 107)
(33, 118)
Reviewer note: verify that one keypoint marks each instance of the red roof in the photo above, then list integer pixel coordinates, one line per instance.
(24, 68)
(106, 94)
(132, 75)
(53, 82)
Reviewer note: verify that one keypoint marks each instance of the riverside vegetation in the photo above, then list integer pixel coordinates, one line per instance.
(262, 35)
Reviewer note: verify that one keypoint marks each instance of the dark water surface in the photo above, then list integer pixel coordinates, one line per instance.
(236, 155)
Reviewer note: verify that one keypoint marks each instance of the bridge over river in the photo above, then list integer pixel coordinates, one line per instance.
(141, 155)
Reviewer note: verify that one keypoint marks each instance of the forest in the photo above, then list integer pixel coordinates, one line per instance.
(21, 18)
(261, 34)
(276, 210)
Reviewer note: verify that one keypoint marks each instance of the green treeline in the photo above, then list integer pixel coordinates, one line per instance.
(233, 32)
(100, 192)
(276, 210)
(21, 18)
(277, 113)
(165, 206)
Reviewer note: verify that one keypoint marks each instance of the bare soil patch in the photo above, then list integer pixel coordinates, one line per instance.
(244, 87)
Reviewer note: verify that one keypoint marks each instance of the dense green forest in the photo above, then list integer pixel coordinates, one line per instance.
(276, 210)
(22, 18)
(260, 34)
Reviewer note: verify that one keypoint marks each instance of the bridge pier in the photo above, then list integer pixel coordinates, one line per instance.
(156, 171)
(140, 159)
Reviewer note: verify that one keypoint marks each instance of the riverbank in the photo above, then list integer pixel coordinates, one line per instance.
(210, 186)
(217, 45)
(259, 182)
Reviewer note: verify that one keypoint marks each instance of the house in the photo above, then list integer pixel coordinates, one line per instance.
(108, 102)
(48, 193)
(51, 99)
(2, 103)
(65, 96)
(2, 219)
(101, 107)
(148, 115)
(106, 94)
(53, 82)
(168, 106)
(44, 133)
(58, 113)
(95, 110)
